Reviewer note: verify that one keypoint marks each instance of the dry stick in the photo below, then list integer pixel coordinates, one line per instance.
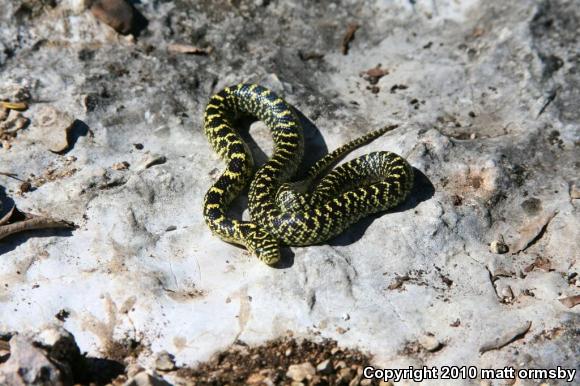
(348, 37)
(11, 175)
(506, 338)
(30, 222)
(19, 106)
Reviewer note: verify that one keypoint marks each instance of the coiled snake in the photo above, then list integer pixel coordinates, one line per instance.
(291, 213)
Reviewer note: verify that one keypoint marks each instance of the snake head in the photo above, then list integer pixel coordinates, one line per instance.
(264, 246)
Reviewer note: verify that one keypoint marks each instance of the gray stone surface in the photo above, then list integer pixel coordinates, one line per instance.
(40, 359)
(486, 96)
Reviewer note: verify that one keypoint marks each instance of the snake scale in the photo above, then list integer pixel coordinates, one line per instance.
(299, 213)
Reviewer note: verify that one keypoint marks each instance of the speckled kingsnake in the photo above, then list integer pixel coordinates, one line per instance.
(280, 212)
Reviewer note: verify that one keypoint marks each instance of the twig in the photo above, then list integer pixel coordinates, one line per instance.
(27, 222)
(506, 338)
(348, 37)
(549, 100)
(188, 49)
(11, 175)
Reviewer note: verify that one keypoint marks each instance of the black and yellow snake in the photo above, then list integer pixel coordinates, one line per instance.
(282, 212)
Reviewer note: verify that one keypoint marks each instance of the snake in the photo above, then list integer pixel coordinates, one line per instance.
(285, 211)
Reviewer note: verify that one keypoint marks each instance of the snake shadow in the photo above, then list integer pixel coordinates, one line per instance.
(422, 190)
(78, 129)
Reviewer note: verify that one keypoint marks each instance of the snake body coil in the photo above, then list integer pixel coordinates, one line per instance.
(292, 213)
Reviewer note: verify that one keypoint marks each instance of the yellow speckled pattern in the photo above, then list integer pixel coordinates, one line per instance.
(292, 213)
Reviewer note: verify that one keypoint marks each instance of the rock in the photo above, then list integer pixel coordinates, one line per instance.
(506, 293)
(120, 165)
(50, 355)
(31, 365)
(14, 92)
(146, 379)
(261, 378)
(429, 342)
(119, 14)
(345, 375)
(132, 369)
(59, 344)
(498, 246)
(255, 379)
(575, 191)
(324, 367)
(164, 361)
(4, 351)
(301, 372)
(340, 365)
(55, 127)
(78, 6)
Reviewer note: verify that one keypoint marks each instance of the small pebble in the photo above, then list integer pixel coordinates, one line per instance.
(498, 246)
(120, 165)
(25, 187)
(429, 342)
(324, 367)
(145, 379)
(345, 375)
(164, 361)
(118, 14)
(507, 293)
(3, 113)
(340, 365)
(301, 372)
(575, 192)
(255, 379)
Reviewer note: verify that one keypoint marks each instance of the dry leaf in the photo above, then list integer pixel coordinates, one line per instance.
(529, 233)
(506, 338)
(541, 263)
(570, 301)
